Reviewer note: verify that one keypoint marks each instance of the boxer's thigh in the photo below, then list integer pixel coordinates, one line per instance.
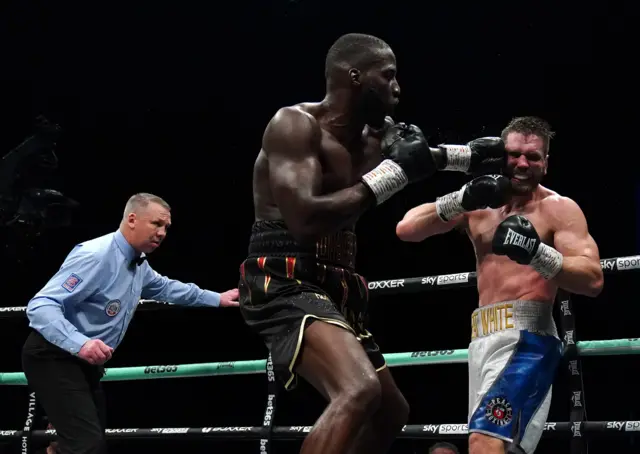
(356, 312)
(332, 360)
(533, 431)
(302, 317)
(517, 371)
(279, 302)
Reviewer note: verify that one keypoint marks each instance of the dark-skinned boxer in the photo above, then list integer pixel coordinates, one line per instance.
(321, 166)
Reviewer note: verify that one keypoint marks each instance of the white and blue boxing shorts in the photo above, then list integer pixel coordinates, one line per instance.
(513, 357)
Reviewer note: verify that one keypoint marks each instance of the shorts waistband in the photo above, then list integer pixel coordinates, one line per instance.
(519, 315)
(272, 238)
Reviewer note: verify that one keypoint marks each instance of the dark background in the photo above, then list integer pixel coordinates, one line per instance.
(172, 98)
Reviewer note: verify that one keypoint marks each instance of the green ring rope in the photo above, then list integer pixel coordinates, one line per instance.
(417, 358)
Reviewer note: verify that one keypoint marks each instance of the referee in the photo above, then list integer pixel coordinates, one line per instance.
(82, 314)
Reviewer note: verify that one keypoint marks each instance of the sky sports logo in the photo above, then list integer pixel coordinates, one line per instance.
(628, 263)
(621, 263)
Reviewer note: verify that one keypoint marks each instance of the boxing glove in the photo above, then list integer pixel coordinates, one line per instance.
(407, 159)
(518, 239)
(486, 155)
(488, 191)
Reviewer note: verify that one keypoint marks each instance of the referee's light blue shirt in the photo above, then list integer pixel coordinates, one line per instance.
(95, 293)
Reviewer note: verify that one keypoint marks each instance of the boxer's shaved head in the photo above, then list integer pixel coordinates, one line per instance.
(362, 69)
(140, 201)
(530, 126)
(355, 50)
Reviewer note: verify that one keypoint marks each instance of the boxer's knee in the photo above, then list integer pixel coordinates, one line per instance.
(361, 397)
(396, 412)
(484, 444)
(394, 409)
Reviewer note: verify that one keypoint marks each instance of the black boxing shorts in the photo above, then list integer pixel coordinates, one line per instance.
(284, 287)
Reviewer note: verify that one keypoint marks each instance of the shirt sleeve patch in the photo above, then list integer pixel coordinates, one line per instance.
(71, 282)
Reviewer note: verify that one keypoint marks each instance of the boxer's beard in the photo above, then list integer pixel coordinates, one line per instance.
(523, 187)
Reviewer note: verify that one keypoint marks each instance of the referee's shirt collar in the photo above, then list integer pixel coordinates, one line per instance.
(129, 252)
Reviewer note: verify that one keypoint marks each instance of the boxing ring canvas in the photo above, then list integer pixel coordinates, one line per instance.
(265, 432)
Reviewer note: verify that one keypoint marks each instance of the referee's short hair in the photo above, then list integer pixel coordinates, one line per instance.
(444, 444)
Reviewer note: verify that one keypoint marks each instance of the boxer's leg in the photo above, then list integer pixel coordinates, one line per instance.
(380, 430)
(484, 444)
(479, 355)
(377, 435)
(333, 361)
(517, 373)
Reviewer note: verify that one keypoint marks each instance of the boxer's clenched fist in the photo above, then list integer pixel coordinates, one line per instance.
(406, 146)
(407, 159)
(488, 191)
(96, 352)
(486, 155)
(517, 238)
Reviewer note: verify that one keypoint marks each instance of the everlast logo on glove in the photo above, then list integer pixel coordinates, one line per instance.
(515, 239)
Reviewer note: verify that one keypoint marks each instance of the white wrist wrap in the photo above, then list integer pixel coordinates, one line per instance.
(385, 180)
(458, 157)
(450, 205)
(547, 261)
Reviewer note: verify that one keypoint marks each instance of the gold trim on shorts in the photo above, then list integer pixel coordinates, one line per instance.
(301, 337)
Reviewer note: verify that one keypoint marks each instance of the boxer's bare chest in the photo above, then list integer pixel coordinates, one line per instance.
(342, 166)
(482, 224)
(500, 278)
(344, 163)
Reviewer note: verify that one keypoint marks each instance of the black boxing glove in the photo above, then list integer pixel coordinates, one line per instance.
(517, 238)
(482, 156)
(407, 160)
(488, 191)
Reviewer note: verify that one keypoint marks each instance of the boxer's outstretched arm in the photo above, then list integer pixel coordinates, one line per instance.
(451, 210)
(292, 143)
(581, 271)
(423, 221)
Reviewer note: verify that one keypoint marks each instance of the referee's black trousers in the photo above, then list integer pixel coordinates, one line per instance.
(69, 391)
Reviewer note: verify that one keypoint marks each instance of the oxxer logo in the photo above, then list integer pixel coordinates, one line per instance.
(499, 411)
(386, 284)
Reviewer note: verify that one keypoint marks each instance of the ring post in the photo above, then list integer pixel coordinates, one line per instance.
(25, 439)
(270, 411)
(578, 414)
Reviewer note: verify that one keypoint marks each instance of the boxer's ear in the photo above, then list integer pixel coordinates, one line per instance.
(546, 164)
(354, 75)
